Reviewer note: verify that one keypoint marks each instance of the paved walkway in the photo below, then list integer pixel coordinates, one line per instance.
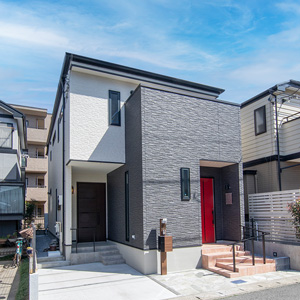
(120, 282)
(6, 279)
(203, 284)
(88, 281)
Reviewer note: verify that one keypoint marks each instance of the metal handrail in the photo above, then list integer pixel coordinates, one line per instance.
(252, 238)
(76, 241)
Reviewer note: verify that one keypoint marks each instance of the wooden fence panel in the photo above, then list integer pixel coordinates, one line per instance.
(270, 211)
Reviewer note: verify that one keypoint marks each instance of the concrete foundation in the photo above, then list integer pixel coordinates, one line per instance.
(282, 250)
(148, 261)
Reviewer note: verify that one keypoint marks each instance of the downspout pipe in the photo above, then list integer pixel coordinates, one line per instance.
(277, 144)
(62, 82)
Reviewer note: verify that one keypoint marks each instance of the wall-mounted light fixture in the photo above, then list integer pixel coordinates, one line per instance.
(227, 187)
(72, 190)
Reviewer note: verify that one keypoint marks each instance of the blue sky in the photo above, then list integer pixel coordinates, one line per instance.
(243, 47)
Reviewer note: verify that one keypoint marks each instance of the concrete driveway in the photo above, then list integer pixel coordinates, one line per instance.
(97, 281)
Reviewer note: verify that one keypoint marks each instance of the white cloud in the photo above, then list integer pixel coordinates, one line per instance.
(33, 35)
(290, 7)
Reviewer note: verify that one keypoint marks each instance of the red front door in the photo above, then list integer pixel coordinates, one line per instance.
(207, 210)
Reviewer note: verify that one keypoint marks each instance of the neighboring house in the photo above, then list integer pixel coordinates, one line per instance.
(37, 124)
(12, 172)
(127, 147)
(271, 140)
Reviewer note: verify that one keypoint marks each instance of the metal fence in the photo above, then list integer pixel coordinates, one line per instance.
(270, 212)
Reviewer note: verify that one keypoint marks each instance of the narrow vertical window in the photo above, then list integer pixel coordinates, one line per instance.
(127, 205)
(260, 120)
(185, 183)
(114, 108)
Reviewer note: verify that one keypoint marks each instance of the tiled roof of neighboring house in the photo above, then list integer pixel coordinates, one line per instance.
(292, 83)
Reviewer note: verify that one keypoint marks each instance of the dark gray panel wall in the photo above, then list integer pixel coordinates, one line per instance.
(116, 181)
(232, 213)
(178, 131)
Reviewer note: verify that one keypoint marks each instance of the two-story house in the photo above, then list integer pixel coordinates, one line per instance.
(12, 171)
(36, 171)
(271, 139)
(128, 147)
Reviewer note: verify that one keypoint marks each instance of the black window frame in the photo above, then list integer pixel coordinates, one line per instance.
(262, 108)
(185, 182)
(114, 120)
(127, 206)
(11, 126)
(53, 138)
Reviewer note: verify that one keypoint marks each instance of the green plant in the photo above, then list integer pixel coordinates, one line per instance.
(29, 212)
(294, 209)
(23, 291)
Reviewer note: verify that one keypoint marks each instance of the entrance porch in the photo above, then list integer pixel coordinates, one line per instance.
(222, 205)
(85, 203)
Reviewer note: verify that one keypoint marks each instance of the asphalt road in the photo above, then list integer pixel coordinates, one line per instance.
(286, 292)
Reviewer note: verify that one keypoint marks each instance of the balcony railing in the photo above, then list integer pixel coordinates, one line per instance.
(36, 193)
(37, 165)
(37, 135)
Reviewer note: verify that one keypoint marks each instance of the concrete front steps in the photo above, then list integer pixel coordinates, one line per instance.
(105, 252)
(218, 258)
(52, 262)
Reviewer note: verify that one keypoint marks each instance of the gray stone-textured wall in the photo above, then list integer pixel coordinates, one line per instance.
(179, 131)
(116, 181)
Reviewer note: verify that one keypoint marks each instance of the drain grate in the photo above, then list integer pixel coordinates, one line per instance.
(238, 281)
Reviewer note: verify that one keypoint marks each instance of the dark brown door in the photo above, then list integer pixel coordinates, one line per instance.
(91, 212)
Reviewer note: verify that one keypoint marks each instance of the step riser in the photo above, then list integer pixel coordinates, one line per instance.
(247, 260)
(219, 260)
(209, 250)
(47, 265)
(210, 260)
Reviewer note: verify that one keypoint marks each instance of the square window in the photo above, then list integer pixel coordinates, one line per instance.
(185, 184)
(114, 108)
(260, 120)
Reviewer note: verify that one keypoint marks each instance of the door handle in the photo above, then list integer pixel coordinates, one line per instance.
(213, 219)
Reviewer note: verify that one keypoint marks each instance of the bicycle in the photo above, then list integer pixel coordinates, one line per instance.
(18, 254)
(19, 250)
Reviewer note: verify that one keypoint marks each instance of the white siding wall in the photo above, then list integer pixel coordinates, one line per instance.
(290, 137)
(91, 138)
(55, 174)
(257, 146)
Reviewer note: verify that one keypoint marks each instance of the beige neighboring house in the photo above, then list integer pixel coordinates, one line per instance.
(271, 140)
(37, 123)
